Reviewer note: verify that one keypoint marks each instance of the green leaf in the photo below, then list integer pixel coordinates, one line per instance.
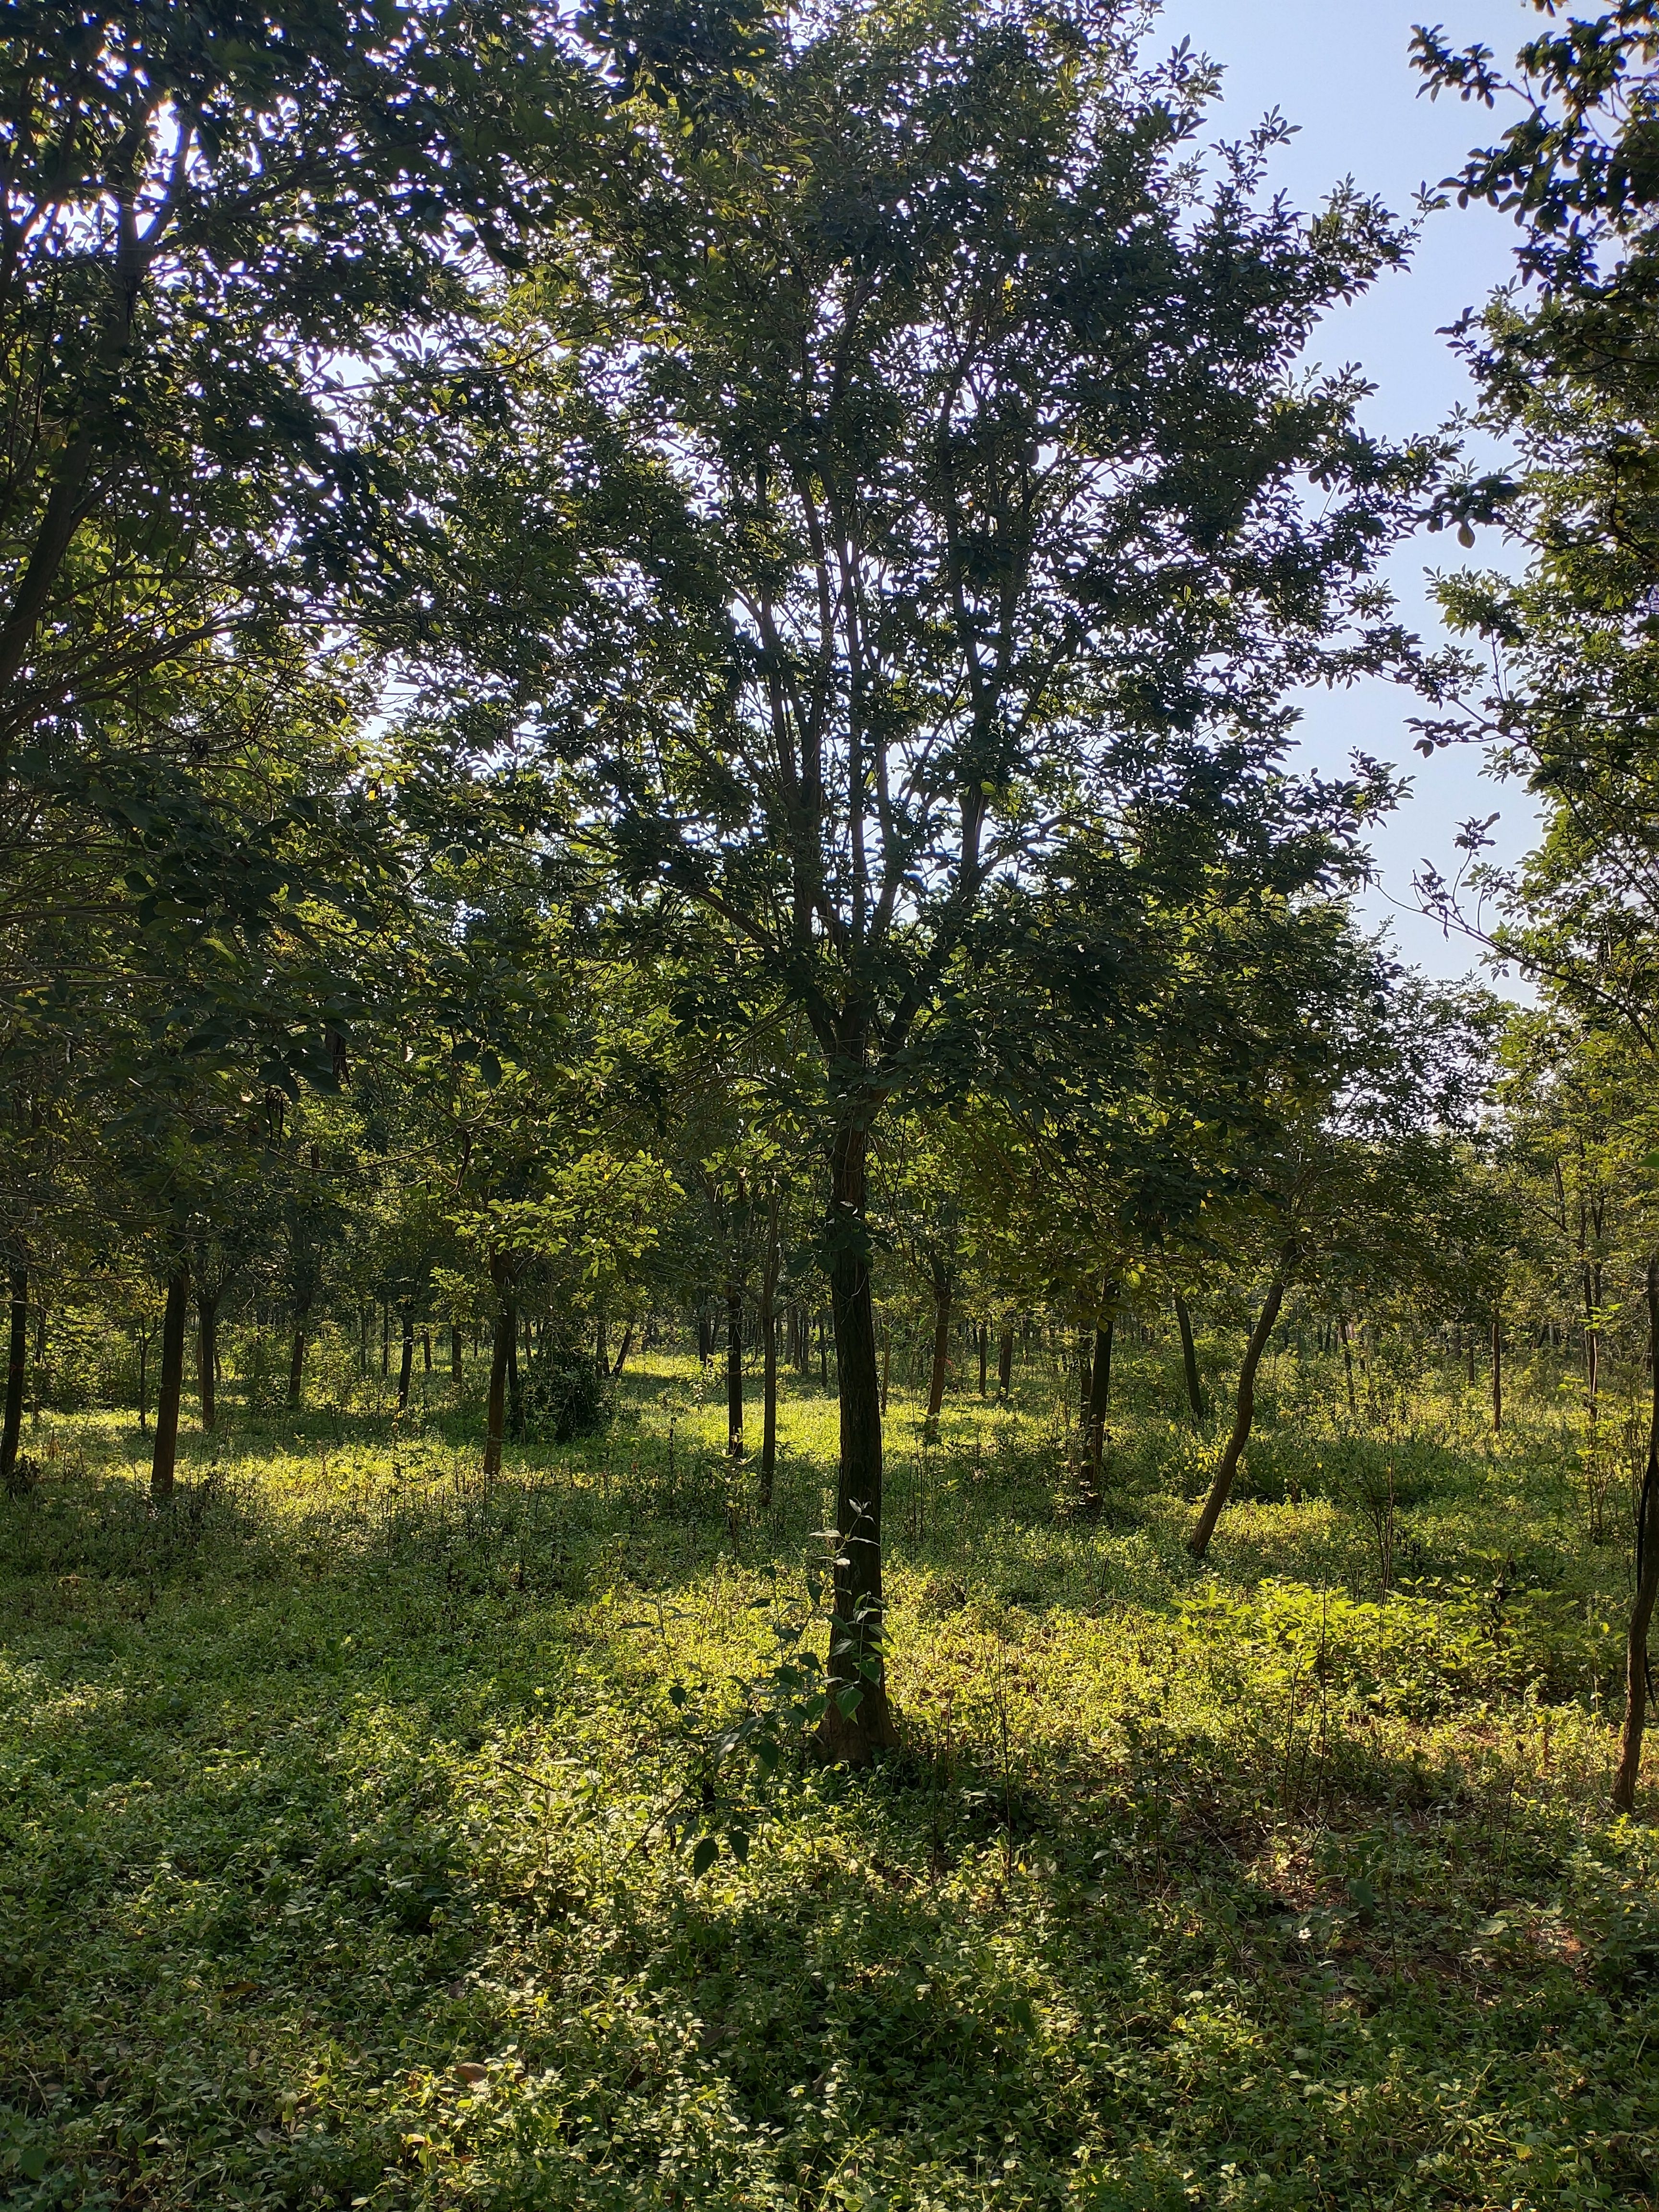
(31, 2161)
(736, 1842)
(849, 1701)
(705, 1855)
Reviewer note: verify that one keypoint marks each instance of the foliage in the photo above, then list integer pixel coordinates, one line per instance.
(339, 1852)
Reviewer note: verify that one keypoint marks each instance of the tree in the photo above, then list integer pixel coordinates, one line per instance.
(977, 452)
(1565, 695)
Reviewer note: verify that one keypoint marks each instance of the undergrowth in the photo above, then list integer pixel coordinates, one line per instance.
(375, 1839)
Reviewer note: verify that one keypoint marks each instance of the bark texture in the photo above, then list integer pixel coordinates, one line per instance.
(164, 1455)
(405, 1357)
(495, 1408)
(16, 1371)
(296, 1359)
(734, 1370)
(857, 1677)
(1189, 1362)
(768, 1329)
(207, 1359)
(1647, 1583)
(941, 1360)
(1244, 1413)
(1100, 1393)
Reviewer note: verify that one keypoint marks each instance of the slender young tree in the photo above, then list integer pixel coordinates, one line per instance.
(164, 1456)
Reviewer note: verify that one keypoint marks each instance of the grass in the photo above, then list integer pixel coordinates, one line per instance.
(348, 1811)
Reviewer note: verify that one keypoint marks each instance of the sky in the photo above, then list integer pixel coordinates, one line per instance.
(1338, 69)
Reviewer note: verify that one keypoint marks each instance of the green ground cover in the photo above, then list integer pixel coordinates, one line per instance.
(350, 1816)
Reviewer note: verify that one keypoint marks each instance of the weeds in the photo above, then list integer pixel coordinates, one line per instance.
(372, 1835)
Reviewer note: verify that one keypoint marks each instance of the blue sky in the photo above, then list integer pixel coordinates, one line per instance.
(1338, 69)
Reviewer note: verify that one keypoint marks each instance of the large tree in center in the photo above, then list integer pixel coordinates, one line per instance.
(975, 481)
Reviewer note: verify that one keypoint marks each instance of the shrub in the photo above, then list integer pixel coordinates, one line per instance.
(565, 1395)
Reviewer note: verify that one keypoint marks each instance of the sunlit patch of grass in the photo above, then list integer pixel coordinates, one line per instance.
(347, 1809)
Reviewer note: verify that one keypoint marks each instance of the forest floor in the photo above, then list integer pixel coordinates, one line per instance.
(350, 1816)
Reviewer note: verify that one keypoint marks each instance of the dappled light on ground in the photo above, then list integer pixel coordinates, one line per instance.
(352, 1809)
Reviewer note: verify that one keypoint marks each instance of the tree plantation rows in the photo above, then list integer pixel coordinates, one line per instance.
(779, 1426)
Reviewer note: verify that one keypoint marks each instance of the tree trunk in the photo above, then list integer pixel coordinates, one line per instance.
(406, 1355)
(386, 1337)
(984, 1356)
(824, 1352)
(1497, 1374)
(768, 1328)
(164, 1452)
(514, 1386)
(296, 1359)
(16, 1372)
(1347, 1362)
(942, 1292)
(1100, 1392)
(857, 1677)
(143, 1380)
(507, 1327)
(1199, 1542)
(705, 1337)
(623, 1349)
(455, 1353)
(886, 1360)
(425, 1351)
(1189, 1361)
(207, 1358)
(733, 1369)
(1647, 1582)
(1004, 1362)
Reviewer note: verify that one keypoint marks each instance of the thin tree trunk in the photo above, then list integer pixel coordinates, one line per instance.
(207, 1358)
(296, 1359)
(733, 1369)
(886, 1360)
(406, 1355)
(1100, 1392)
(143, 1380)
(514, 1386)
(984, 1356)
(623, 1349)
(16, 1374)
(823, 1353)
(425, 1351)
(164, 1455)
(941, 1361)
(1199, 1542)
(455, 1353)
(386, 1337)
(1497, 1374)
(507, 1326)
(1189, 1361)
(768, 1328)
(1006, 1362)
(1647, 1581)
(857, 1674)
(1347, 1362)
